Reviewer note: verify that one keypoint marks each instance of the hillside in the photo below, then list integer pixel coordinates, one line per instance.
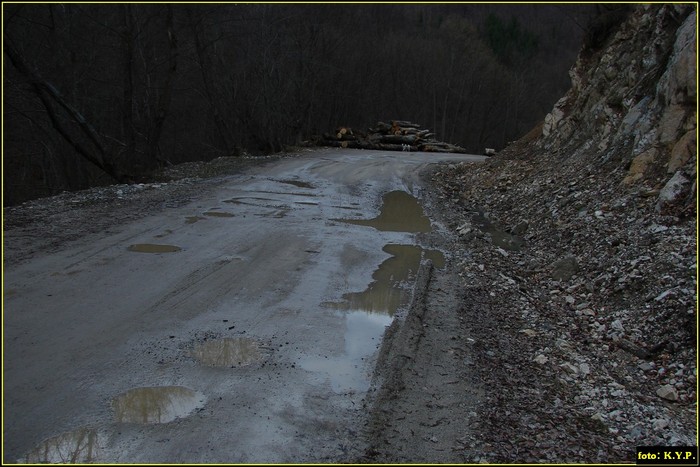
(578, 256)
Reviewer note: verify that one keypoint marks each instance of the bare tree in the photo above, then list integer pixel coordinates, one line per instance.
(86, 140)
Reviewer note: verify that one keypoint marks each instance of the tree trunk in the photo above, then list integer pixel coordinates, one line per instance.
(128, 129)
(209, 88)
(163, 103)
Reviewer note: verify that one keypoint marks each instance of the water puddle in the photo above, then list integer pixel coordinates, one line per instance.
(218, 214)
(156, 404)
(352, 371)
(498, 237)
(67, 273)
(153, 248)
(193, 219)
(238, 200)
(283, 193)
(371, 311)
(278, 214)
(75, 447)
(388, 290)
(400, 212)
(228, 352)
(297, 183)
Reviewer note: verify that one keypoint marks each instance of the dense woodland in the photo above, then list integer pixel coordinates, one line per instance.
(104, 93)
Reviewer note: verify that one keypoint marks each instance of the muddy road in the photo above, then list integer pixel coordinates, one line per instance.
(240, 327)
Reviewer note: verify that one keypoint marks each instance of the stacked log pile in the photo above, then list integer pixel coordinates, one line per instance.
(397, 136)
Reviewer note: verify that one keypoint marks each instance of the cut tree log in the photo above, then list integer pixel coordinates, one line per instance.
(398, 139)
(397, 136)
(342, 131)
(405, 124)
(347, 137)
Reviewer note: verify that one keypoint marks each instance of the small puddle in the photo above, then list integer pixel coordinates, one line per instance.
(164, 234)
(352, 371)
(228, 352)
(498, 237)
(156, 404)
(153, 248)
(218, 214)
(278, 214)
(283, 193)
(193, 219)
(400, 212)
(388, 292)
(238, 200)
(75, 447)
(68, 273)
(297, 183)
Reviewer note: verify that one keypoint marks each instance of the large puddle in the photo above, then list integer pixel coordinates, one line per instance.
(228, 352)
(75, 447)
(193, 219)
(368, 313)
(352, 370)
(400, 212)
(388, 290)
(156, 404)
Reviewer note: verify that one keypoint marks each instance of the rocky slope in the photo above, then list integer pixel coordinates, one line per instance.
(578, 251)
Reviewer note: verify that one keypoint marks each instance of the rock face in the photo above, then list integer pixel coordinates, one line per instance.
(633, 101)
(672, 193)
(597, 309)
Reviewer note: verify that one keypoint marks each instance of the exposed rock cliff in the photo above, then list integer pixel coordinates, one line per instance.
(633, 102)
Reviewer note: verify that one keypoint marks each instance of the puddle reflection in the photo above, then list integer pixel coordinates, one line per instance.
(352, 371)
(75, 447)
(388, 292)
(156, 404)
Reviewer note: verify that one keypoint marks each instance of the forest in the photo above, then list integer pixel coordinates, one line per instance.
(107, 93)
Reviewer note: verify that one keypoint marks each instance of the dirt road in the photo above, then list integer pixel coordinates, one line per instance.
(240, 326)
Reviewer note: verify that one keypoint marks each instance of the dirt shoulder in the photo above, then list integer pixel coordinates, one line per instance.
(425, 395)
